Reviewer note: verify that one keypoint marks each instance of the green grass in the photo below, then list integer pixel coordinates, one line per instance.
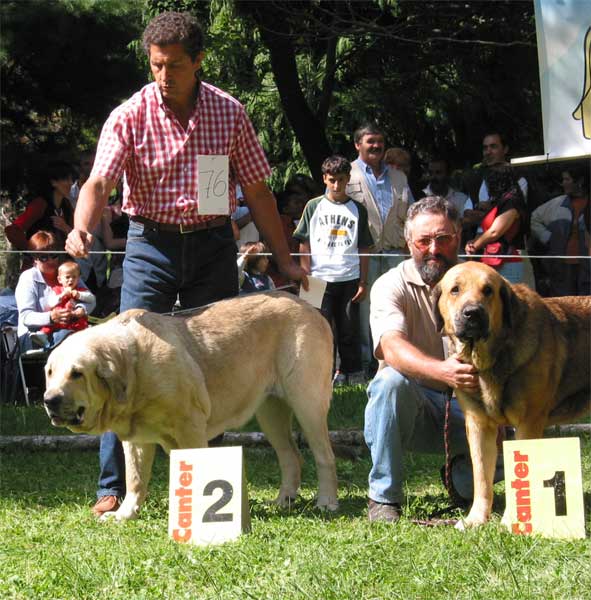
(51, 547)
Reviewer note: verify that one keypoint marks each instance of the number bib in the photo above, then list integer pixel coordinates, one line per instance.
(208, 503)
(213, 188)
(544, 487)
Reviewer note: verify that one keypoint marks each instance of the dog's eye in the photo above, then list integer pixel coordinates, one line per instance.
(455, 290)
(75, 374)
(487, 290)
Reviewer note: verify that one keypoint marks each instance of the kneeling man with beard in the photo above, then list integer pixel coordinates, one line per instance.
(406, 399)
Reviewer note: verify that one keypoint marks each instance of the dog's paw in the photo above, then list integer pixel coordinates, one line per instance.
(121, 515)
(327, 503)
(285, 500)
(470, 523)
(460, 525)
(108, 516)
(506, 520)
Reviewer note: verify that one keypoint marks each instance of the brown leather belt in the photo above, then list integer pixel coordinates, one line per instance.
(180, 228)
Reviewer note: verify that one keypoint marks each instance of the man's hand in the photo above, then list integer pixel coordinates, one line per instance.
(78, 243)
(361, 293)
(470, 247)
(295, 273)
(459, 375)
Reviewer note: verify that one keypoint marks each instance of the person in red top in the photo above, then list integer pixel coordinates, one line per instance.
(49, 210)
(160, 139)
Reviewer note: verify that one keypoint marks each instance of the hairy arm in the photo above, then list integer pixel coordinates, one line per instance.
(499, 227)
(405, 357)
(89, 209)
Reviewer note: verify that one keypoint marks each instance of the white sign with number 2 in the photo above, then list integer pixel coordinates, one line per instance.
(208, 500)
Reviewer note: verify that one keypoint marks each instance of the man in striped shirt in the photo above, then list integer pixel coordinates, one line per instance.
(159, 141)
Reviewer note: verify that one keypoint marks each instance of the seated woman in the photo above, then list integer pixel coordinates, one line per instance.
(34, 295)
(49, 210)
(503, 227)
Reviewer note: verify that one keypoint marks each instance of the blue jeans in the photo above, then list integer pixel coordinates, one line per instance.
(512, 271)
(197, 267)
(55, 338)
(401, 415)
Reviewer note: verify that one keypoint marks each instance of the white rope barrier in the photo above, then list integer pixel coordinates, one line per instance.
(383, 254)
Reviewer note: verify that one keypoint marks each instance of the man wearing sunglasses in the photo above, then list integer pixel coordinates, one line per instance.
(406, 399)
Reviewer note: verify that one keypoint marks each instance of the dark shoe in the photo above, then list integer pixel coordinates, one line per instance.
(106, 504)
(380, 511)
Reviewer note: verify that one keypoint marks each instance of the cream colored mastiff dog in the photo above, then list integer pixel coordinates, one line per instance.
(179, 382)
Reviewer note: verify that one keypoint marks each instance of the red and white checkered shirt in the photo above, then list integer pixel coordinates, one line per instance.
(144, 139)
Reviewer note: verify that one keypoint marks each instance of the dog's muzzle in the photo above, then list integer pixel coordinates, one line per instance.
(471, 322)
(55, 408)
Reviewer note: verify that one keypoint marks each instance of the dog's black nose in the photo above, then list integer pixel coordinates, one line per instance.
(472, 311)
(52, 401)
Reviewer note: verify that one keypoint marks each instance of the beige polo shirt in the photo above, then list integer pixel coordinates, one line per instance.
(401, 301)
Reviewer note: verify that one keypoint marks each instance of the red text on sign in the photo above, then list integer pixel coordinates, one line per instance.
(184, 493)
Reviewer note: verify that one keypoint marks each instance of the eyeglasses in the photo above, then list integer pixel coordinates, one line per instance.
(46, 257)
(443, 240)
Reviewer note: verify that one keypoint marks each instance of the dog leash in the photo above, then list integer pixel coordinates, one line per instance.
(447, 476)
(188, 311)
(433, 520)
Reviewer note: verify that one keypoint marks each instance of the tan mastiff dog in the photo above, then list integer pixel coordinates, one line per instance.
(180, 382)
(532, 356)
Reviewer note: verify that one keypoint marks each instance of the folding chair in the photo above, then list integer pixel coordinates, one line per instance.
(24, 369)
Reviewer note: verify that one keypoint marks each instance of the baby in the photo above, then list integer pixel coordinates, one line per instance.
(69, 294)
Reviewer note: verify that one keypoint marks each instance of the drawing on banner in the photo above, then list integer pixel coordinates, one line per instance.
(583, 111)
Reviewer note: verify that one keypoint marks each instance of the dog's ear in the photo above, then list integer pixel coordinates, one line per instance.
(510, 305)
(435, 295)
(116, 365)
(109, 373)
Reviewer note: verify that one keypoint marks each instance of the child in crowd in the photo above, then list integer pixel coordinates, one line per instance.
(252, 268)
(69, 293)
(334, 230)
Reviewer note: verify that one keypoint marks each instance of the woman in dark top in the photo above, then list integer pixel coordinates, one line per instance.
(50, 210)
(504, 226)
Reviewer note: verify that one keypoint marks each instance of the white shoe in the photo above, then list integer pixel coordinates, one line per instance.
(39, 339)
(339, 379)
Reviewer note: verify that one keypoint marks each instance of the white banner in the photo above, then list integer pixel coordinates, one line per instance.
(564, 52)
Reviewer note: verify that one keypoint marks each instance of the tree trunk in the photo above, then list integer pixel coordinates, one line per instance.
(308, 129)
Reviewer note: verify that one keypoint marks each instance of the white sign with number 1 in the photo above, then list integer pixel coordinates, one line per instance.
(544, 487)
(208, 503)
(213, 189)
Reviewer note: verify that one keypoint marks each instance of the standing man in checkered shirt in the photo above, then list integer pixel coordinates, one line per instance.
(157, 139)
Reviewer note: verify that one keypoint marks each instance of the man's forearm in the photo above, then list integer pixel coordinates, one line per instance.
(91, 202)
(406, 358)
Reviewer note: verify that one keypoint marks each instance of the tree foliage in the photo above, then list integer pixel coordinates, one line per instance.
(435, 75)
(65, 65)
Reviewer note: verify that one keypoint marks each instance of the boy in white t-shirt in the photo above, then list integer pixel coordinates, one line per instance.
(334, 230)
